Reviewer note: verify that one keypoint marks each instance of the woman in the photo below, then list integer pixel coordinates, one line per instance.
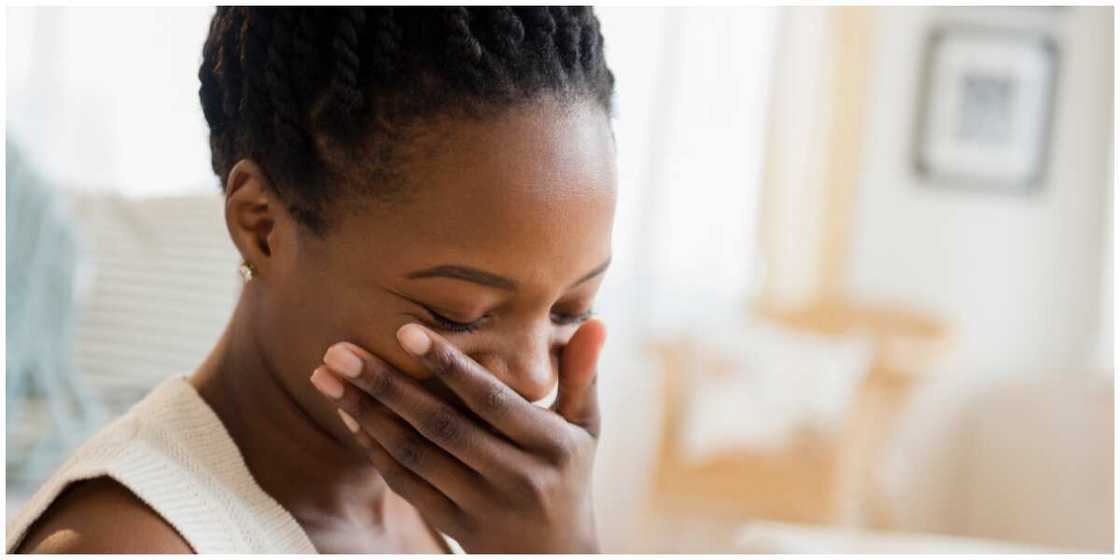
(423, 199)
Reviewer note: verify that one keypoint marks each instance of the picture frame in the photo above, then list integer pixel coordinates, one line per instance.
(985, 109)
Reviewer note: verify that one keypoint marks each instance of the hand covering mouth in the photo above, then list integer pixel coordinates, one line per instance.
(445, 394)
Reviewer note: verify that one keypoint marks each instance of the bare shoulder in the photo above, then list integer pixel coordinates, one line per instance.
(101, 516)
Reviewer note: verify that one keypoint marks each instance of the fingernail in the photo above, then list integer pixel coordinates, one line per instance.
(350, 422)
(343, 360)
(326, 383)
(414, 339)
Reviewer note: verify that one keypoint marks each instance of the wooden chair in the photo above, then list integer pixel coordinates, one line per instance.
(813, 479)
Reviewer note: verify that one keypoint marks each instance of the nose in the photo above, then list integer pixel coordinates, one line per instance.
(528, 363)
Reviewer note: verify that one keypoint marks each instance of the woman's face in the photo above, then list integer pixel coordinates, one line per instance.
(501, 247)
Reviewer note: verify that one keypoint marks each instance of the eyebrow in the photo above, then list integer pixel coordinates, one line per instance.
(470, 274)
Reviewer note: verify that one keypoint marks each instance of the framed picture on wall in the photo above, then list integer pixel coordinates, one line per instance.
(985, 109)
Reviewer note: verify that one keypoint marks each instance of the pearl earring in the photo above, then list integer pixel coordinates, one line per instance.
(247, 270)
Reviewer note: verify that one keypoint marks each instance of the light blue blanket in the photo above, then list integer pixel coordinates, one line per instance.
(42, 258)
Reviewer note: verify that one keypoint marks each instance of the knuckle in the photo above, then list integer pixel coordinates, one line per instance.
(362, 412)
(536, 486)
(444, 360)
(565, 450)
(444, 426)
(410, 453)
(496, 399)
(378, 383)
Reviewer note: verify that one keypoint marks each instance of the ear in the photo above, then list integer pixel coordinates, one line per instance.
(253, 214)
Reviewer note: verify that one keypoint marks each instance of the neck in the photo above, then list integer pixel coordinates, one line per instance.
(314, 476)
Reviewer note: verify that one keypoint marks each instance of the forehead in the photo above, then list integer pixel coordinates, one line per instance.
(528, 193)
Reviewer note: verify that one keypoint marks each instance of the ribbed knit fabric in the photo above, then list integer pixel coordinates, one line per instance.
(172, 451)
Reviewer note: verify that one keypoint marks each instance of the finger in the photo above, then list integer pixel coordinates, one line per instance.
(447, 516)
(407, 447)
(503, 408)
(436, 420)
(577, 396)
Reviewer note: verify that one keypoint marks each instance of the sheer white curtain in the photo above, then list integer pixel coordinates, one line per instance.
(106, 99)
(692, 97)
(693, 89)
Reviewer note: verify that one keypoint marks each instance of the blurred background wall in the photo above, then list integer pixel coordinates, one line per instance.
(993, 265)
(842, 317)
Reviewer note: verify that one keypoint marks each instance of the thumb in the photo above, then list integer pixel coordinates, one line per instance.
(576, 396)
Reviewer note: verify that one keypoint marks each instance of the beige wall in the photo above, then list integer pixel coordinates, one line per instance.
(1017, 277)
(1023, 282)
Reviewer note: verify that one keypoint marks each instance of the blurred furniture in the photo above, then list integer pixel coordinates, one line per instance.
(160, 288)
(1028, 459)
(164, 284)
(1022, 466)
(49, 406)
(813, 479)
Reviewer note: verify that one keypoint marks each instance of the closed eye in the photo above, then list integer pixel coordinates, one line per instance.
(563, 319)
(451, 325)
(447, 324)
(439, 321)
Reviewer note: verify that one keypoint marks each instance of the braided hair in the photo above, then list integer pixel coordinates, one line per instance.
(326, 97)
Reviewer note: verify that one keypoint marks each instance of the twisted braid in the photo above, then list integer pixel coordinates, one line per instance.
(509, 32)
(256, 102)
(229, 54)
(324, 99)
(385, 51)
(346, 98)
(286, 119)
(306, 53)
(541, 43)
(568, 34)
(588, 41)
(461, 43)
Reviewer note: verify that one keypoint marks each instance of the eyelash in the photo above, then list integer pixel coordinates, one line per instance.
(450, 325)
(443, 323)
(572, 319)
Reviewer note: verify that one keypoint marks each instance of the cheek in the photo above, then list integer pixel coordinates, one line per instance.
(303, 313)
(295, 322)
(372, 322)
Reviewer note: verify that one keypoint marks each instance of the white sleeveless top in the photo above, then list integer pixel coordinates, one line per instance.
(172, 451)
